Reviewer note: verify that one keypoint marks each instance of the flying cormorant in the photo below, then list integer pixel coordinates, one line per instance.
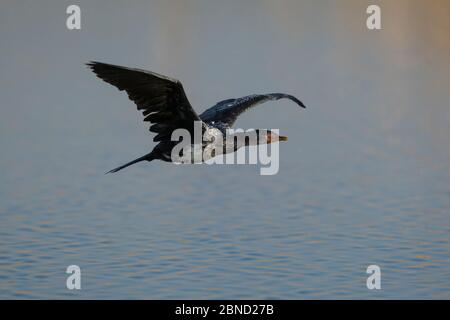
(164, 104)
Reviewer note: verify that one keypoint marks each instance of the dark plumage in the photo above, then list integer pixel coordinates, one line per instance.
(163, 103)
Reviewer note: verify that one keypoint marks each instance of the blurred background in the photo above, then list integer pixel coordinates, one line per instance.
(364, 178)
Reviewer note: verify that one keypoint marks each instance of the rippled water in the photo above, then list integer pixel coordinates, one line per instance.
(364, 178)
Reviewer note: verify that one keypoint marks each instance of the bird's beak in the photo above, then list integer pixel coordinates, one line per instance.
(282, 138)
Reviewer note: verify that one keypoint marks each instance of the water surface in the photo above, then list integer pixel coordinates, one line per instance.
(364, 178)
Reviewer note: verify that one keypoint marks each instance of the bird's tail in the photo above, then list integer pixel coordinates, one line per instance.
(148, 157)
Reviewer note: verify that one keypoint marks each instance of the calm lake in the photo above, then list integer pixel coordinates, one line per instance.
(363, 180)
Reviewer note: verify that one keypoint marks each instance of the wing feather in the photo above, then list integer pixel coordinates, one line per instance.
(227, 111)
(161, 99)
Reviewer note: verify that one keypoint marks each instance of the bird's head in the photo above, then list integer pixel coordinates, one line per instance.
(268, 136)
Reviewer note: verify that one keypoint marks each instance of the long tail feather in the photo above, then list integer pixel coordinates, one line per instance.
(147, 157)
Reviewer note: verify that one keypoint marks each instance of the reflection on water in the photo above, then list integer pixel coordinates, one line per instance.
(364, 178)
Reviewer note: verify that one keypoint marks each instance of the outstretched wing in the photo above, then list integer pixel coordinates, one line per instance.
(162, 100)
(227, 111)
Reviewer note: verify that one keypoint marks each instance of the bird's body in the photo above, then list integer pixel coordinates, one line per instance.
(164, 103)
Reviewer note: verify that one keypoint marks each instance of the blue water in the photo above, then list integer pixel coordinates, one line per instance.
(364, 178)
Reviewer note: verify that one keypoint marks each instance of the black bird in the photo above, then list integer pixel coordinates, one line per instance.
(164, 103)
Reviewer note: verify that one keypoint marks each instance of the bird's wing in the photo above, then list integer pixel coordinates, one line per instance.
(162, 100)
(227, 111)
